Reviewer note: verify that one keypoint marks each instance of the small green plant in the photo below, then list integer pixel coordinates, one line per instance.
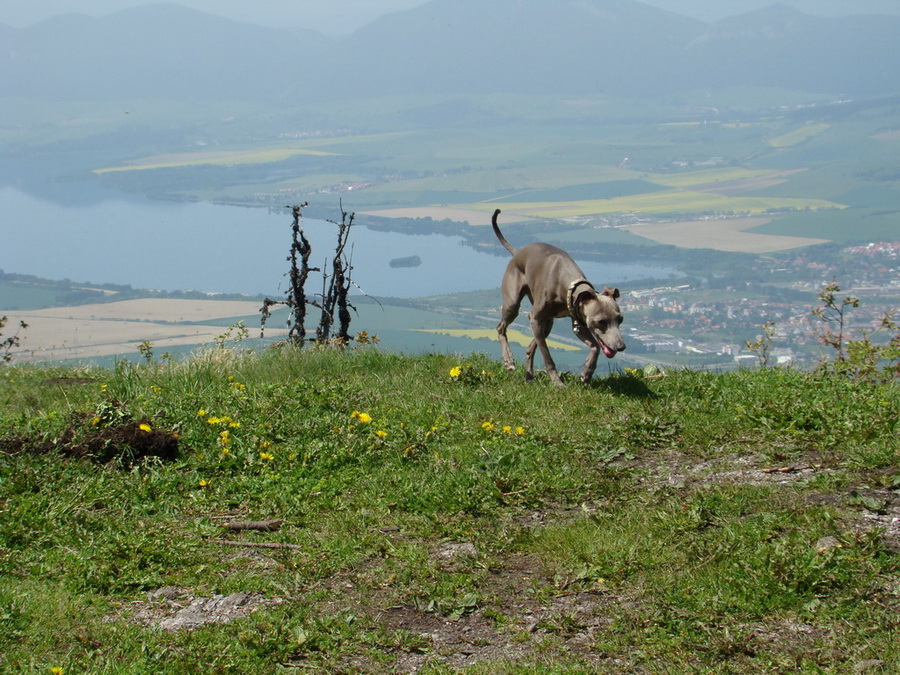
(470, 375)
(363, 338)
(146, 350)
(236, 333)
(10, 341)
(861, 356)
(762, 345)
(834, 314)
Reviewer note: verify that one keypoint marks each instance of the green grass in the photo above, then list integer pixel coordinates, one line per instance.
(628, 526)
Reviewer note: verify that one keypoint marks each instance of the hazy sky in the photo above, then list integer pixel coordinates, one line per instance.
(344, 16)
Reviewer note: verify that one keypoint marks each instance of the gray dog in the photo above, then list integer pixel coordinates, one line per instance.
(557, 288)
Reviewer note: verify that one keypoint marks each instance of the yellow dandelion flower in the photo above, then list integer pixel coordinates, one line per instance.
(381, 433)
(507, 429)
(56, 670)
(488, 426)
(355, 414)
(201, 413)
(365, 418)
(203, 482)
(520, 431)
(95, 421)
(225, 451)
(455, 372)
(234, 425)
(266, 456)
(145, 427)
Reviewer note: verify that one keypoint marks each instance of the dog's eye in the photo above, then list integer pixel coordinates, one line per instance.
(602, 326)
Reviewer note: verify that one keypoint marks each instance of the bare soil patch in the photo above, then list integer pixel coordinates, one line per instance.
(172, 608)
(153, 310)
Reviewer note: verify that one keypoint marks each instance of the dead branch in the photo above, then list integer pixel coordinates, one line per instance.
(299, 271)
(259, 525)
(336, 283)
(251, 544)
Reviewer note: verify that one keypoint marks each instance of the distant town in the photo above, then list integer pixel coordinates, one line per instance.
(685, 320)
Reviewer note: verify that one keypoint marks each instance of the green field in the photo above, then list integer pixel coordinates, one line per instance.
(320, 510)
(835, 168)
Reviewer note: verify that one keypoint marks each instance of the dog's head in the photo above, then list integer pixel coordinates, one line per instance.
(603, 317)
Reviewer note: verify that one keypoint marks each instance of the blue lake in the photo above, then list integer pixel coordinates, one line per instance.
(227, 249)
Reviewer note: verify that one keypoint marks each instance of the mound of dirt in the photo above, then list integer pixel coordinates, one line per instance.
(129, 443)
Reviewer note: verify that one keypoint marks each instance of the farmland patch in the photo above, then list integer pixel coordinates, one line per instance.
(721, 235)
(670, 201)
(224, 158)
(108, 329)
(798, 135)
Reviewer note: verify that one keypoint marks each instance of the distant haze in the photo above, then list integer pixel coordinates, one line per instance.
(618, 48)
(337, 17)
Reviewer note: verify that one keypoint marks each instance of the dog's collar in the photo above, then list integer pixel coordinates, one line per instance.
(570, 295)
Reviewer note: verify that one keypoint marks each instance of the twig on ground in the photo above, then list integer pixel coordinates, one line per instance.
(252, 544)
(260, 525)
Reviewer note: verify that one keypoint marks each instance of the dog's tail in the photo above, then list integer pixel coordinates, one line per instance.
(500, 236)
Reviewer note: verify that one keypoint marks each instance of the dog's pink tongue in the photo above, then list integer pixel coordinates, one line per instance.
(607, 352)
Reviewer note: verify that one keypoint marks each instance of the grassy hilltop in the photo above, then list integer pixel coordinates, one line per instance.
(435, 513)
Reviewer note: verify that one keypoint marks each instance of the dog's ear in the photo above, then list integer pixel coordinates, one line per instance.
(584, 296)
(611, 292)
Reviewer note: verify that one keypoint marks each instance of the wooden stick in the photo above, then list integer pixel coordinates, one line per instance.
(251, 544)
(261, 525)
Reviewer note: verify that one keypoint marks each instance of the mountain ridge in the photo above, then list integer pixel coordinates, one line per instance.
(609, 47)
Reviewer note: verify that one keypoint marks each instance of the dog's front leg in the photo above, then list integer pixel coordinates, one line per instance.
(590, 364)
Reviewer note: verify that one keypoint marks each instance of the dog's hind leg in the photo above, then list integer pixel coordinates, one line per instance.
(541, 330)
(529, 360)
(513, 290)
(509, 315)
